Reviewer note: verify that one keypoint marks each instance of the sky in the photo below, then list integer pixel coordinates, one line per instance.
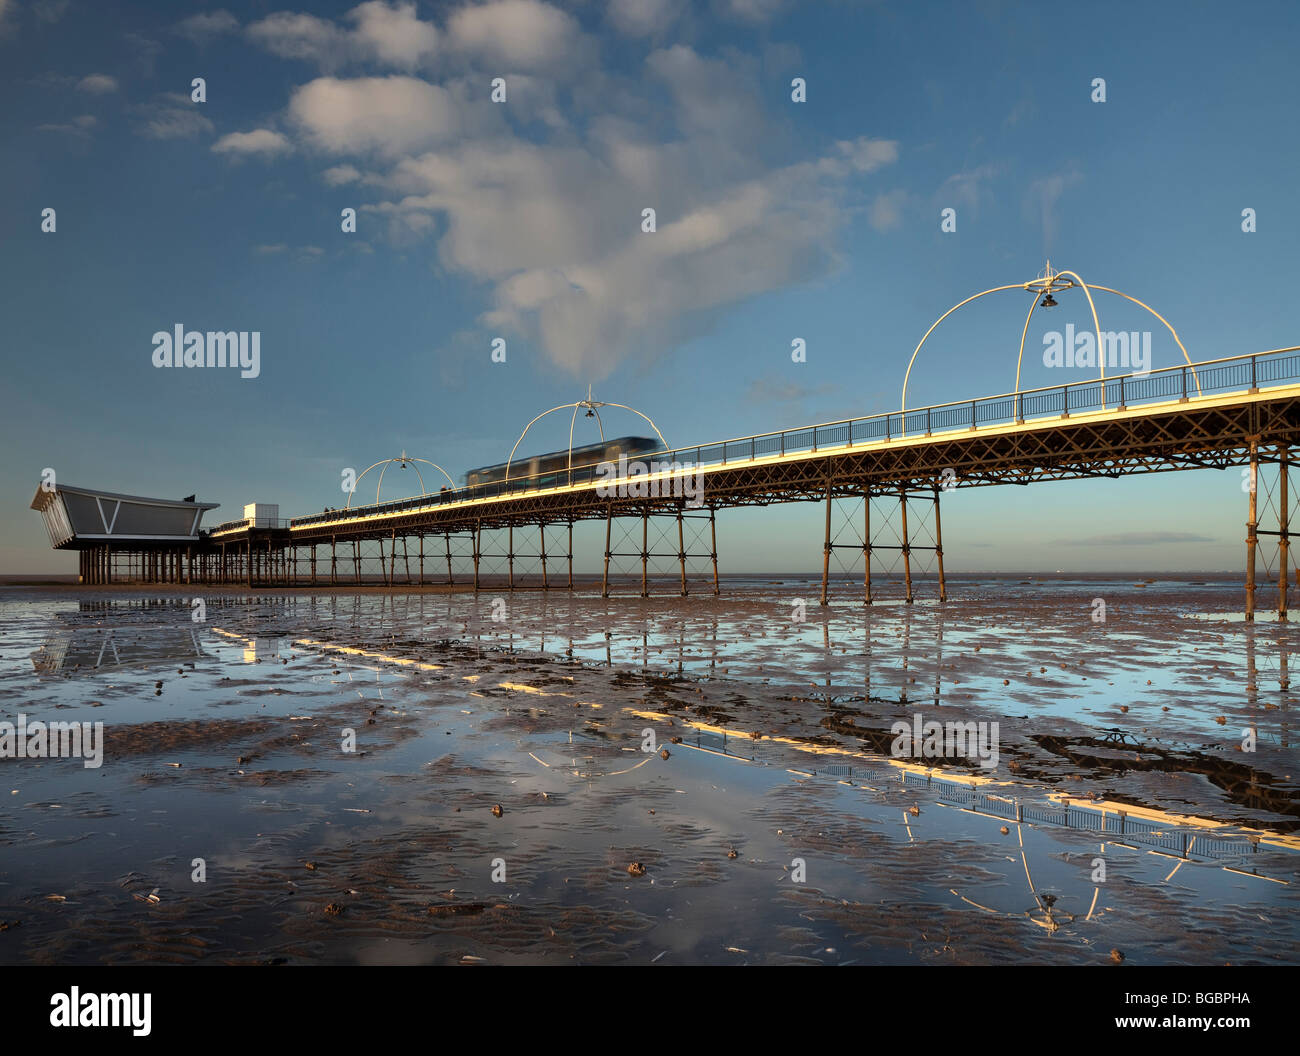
(220, 206)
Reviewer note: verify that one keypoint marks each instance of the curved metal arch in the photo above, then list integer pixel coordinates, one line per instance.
(1172, 331)
(975, 297)
(1096, 323)
(1033, 303)
(1127, 297)
(591, 405)
(386, 462)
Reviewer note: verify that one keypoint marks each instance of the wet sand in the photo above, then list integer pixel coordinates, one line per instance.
(780, 828)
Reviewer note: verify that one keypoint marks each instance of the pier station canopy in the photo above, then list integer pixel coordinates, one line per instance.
(81, 518)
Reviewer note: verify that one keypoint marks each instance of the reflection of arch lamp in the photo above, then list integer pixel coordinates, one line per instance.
(592, 412)
(1045, 285)
(402, 460)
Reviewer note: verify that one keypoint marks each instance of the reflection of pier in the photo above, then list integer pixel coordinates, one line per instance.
(69, 648)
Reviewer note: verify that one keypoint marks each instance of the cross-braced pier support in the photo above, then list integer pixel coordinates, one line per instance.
(678, 511)
(1272, 499)
(543, 558)
(901, 535)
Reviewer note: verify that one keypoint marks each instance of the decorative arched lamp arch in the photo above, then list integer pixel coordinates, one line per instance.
(403, 460)
(592, 412)
(1045, 285)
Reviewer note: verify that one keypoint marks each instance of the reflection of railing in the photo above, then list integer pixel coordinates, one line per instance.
(1178, 840)
(1234, 374)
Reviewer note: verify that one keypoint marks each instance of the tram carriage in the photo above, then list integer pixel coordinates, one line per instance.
(551, 469)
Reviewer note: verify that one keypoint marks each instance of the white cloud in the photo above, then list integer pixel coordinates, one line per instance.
(643, 18)
(98, 84)
(297, 36)
(206, 25)
(341, 174)
(78, 126)
(260, 142)
(886, 212)
(387, 33)
(384, 115)
(518, 35)
(393, 33)
(171, 115)
(751, 10)
(967, 188)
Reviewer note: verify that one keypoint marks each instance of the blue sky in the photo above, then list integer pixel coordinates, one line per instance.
(521, 220)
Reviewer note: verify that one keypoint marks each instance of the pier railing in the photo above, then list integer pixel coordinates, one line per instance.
(1244, 374)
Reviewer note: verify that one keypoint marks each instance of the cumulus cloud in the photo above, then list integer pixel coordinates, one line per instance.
(518, 35)
(98, 84)
(643, 18)
(340, 175)
(545, 212)
(388, 116)
(171, 116)
(300, 36)
(389, 34)
(393, 33)
(207, 25)
(261, 142)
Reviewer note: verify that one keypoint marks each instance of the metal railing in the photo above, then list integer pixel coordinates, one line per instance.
(240, 523)
(1122, 392)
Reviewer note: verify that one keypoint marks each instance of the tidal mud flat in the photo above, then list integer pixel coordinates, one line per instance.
(697, 780)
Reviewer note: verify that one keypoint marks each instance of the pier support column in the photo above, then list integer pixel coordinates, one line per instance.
(826, 548)
(907, 545)
(866, 546)
(681, 549)
(713, 536)
(1283, 526)
(938, 546)
(510, 557)
(451, 579)
(571, 555)
(478, 550)
(546, 583)
(1251, 539)
(645, 552)
(609, 524)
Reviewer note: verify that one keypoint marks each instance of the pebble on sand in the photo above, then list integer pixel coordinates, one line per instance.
(636, 869)
(1116, 956)
(497, 811)
(1004, 830)
(664, 754)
